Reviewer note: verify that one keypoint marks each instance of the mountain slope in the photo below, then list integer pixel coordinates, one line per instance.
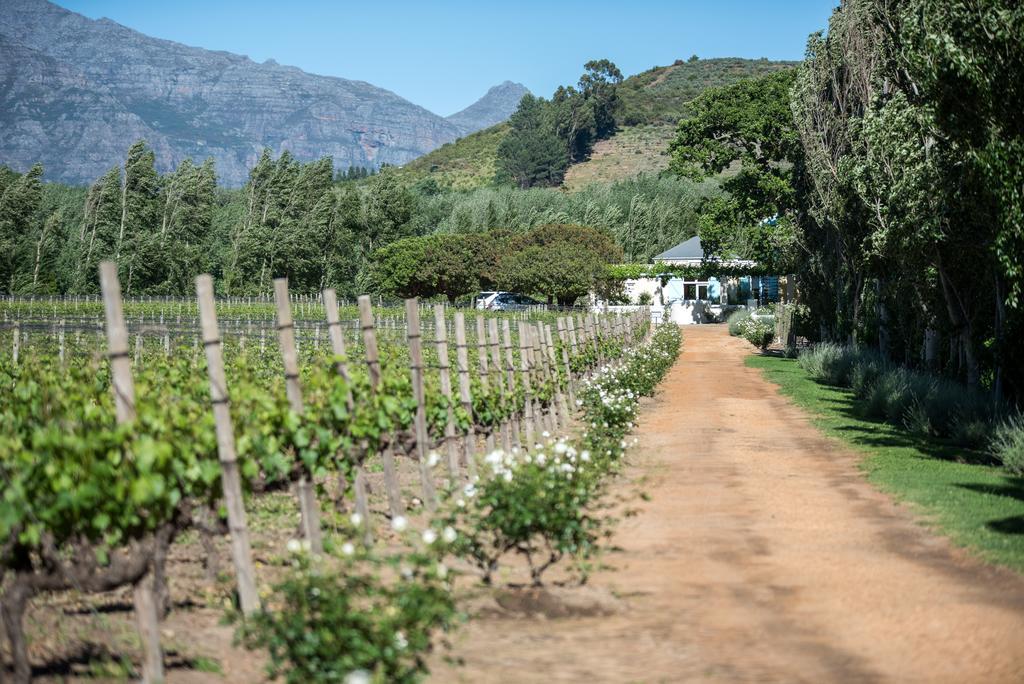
(97, 85)
(466, 163)
(659, 95)
(653, 101)
(495, 106)
(631, 151)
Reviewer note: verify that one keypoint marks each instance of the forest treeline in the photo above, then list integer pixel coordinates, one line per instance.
(294, 219)
(887, 171)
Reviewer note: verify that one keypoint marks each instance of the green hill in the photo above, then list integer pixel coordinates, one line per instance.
(658, 95)
(652, 102)
(465, 163)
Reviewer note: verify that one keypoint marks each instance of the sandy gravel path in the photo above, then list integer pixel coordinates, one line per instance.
(763, 555)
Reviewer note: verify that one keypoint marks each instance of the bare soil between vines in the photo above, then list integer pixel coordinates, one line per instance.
(760, 553)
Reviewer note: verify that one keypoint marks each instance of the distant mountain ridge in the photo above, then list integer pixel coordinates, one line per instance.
(495, 106)
(75, 92)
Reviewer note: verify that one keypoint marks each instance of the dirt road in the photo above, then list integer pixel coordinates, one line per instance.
(763, 555)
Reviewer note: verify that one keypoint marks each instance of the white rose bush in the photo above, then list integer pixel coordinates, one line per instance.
(363, 614)
(372, 613)
(545, 503)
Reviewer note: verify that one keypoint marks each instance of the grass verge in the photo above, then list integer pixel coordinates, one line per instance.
(978, 506)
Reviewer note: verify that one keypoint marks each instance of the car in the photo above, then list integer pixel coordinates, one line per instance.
(485, 298)
(510, 301)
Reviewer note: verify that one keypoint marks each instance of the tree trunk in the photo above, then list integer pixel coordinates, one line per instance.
(961, 326)
(15, 600)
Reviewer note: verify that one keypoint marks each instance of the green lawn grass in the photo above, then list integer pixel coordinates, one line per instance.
(977, 505)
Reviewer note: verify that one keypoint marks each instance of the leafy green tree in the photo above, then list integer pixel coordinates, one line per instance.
(427, 266)
(560, 262)
(747, 127)
(904, 128)
(387, 210)
(574, 122)
(135, 251)
(531, 154)
(19, 204)
(598, 85)
(97, 237)
(187, 197)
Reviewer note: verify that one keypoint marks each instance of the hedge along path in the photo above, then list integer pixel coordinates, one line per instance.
(763, 555)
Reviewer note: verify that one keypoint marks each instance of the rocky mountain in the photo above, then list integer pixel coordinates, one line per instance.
(75, 93)
(494, 107)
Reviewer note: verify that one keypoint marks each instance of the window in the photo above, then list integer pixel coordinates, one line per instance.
(690, 291)
(703, 292)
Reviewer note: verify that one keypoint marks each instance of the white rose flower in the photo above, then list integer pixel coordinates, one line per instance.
(433, 458)
(399, 523)
(294, 546)
(400, 641)
(449, 534)
(348, 548)
(357, 677)
(356, 519)
(429, 536)
(561, 448)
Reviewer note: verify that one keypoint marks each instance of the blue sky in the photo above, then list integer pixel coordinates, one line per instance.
(444, 55)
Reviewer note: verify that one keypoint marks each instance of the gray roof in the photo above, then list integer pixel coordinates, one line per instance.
(690, 249)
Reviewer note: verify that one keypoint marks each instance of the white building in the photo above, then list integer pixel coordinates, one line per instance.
(688, 301)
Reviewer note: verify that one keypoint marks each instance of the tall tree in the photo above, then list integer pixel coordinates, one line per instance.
(598, 84)
(532, 154)
(19, 204)
(747, 127)
(135, 248)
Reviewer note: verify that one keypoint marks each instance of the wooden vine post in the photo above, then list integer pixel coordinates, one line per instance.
(571, 329)
(309, 507)
(60, 343)
(373, 371)
(444, 370)
(482, 362)
(545, 421)
(540, 361)
(510, 379)
(144, 594)
(563, 405)
(231, 479)
(412, 319)
(569, 380)
(558, 417)
(338, 349)
(492, 338)
(524, 373)
(465, 397)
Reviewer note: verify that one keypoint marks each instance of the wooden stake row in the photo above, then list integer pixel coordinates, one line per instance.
(538, 362)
